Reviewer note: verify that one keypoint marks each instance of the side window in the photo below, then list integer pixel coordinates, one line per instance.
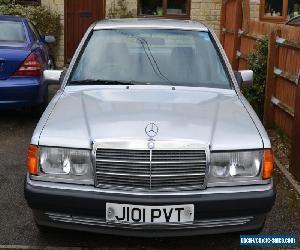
(36, 34)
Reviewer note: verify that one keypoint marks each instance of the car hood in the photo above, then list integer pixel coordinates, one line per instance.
(115, 113)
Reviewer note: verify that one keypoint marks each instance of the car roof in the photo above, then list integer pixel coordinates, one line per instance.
(150, 23)
(12, 18)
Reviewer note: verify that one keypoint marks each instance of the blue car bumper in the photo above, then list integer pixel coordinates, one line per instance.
(17, 92)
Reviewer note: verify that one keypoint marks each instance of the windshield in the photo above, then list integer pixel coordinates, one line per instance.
(11, 31)
(295, 21)
(164, 57)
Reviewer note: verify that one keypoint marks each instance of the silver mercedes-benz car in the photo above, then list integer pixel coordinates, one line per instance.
(149, 135)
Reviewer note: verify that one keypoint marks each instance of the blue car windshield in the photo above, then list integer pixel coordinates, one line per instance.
(163, 57)
(11, 31)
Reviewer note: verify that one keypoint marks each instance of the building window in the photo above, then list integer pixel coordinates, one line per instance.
(273, 8)
(151, 8)
(293, 8)
(176, 7)
(28, 2)
(279, 10)
(164, 8)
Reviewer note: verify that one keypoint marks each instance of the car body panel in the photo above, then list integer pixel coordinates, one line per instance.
(295, 21)
(12, 55)
(88, 116)
(168, 24)
(83, 115)
(151, 23)
(21, 91)
(11, 59)
(236, 202)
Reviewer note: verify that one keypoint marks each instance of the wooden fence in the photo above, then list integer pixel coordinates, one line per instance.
(282, 103)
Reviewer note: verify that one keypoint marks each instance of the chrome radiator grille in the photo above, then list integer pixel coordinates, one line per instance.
(156, 170)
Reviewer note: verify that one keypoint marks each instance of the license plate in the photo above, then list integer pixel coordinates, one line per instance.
(127, 213)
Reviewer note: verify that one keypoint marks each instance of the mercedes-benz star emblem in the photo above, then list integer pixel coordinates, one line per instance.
(151, 130)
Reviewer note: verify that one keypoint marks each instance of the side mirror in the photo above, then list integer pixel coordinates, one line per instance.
(244, 78)
(49, 39)
(52, 77)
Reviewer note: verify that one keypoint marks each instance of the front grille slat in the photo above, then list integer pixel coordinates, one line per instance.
(153, 161)
(152, 175)
(198, 223)
(117, 165)
(170, 169)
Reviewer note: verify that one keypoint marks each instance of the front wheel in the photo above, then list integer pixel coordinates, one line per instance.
(45, 99)
(258, 230)
(44, 229)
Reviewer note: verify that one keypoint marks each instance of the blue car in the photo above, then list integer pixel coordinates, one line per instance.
(24, 56)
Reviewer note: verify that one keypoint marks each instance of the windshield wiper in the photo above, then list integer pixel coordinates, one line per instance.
(105, 82)
(146, 47)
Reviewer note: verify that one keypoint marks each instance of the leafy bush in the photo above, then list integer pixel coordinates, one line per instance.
(257, 61)
(119, 10)
(6, 1)
(47, 22)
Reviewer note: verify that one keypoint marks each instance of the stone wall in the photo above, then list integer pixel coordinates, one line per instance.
(131, 6)
(254, 9)
(57, 6)
(208, 12)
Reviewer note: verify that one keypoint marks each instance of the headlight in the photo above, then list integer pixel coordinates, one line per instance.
(64, 164)
(235, 166)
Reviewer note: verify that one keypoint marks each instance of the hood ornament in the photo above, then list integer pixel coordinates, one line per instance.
(151, 130)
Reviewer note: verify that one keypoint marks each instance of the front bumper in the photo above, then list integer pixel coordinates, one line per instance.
(217, 210)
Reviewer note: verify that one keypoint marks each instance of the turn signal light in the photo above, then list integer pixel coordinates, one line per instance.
(32, 159)
(268, 164)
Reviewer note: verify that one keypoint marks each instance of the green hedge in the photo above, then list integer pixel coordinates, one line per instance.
(47, 22)
(258, 61)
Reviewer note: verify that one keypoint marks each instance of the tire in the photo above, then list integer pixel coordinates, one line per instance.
(44, 229)
(45, 99)
(38, 110)
(258, 230)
